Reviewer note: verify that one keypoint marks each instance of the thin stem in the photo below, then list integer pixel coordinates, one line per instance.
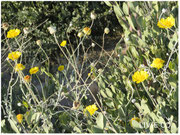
(44, 97)
(149, 94)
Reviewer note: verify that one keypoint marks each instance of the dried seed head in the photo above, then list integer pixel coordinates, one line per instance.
(106, 30)
(80, 34)
(76, 104)
(38, 42)
(5, 26)
(93, 44)
(52, 29)
(26, 30)
(93, 15)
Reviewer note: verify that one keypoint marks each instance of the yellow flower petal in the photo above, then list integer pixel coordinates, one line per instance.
(14, 55)
(91, 109)
(87, 30)
(19, 67)
(34, 70)
(158, 63)
(61, 68)
(63, 43)
(13, 33)
(27, 78)
(140, 76)
(166, 23)
(19, 118)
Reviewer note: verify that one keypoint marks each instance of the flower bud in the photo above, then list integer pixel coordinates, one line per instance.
(26, 30)
(93, 44)
(164, 10)
(52, 29)
(80, 34)
(93, 15)
(38, 42)
(70, 24)
(5, 26)
(106, 30)
(19, 104)
(133, 100)
(76, 104)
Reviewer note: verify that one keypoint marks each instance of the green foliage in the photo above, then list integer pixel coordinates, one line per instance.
(55, 101)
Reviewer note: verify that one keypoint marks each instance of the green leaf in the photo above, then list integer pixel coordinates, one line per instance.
(151, 128)
(155, 5)
(96, 129)
(131, 23)
(3, 123)
(125, 9)
(103, 94)
(108, 3)
(13, 126)
(101, 121)
(113, 88)
(134, 52)
(108, 92)
(35, 117)
(136, 125)
(77, 129)
(25, 104)
(173, 128)
(141, 22)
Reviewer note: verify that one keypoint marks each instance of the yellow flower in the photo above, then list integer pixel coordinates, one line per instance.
(19, 67)
(157, 63)
(13, 33)
(91, 109)
(14, 55)
(166, 23)
(136, 119)
(34, 70)
(61, 68)
(19, 118)
(27, 78)
(63, 43)
(140, 76)
(87, 30)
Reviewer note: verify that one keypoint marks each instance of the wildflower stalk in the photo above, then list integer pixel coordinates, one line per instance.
(44, 98)
(46, 57)
(149, 94)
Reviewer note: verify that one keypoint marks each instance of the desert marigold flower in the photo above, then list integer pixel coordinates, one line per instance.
(27, 78)
(166, 23)
(19, 67)
(91, 109)
(136, 119)
(13, 33)
(14, 55)
(140, 76)
(158, 63)
(63, 43)
(34, 70)
(19, 118)
(87, 30)
(61, 68)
